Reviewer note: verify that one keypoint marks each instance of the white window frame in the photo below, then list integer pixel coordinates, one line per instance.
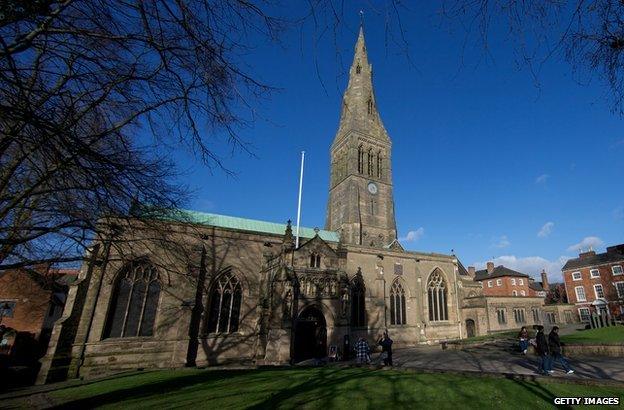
(489, 284)
(620, 294)
(521, 282)
(499, 282)
(513, 281)
(617, 266)
(584, 309)
(591, 273)
(576, 291)
(514, 293)
(580, 276)
(522, 293)
(596, 286)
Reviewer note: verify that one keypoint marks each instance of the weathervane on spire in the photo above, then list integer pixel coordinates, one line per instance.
(361, 18)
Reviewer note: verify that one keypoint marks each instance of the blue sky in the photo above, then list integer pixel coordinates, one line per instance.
(485, 162)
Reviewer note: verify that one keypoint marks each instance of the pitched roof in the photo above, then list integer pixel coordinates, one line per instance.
(461, 269)
(612, 255)
(536, 286)
(498, 272)
(244, 224)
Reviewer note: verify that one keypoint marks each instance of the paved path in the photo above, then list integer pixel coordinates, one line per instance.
(500, 357)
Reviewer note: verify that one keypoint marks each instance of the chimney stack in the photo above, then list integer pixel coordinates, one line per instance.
(545, 280)
(616, 249)
(471, 271)
(587, 254)
(490, 267)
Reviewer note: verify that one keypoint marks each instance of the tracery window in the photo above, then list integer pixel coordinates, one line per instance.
(358, 303)
(397, 304)
(225, 303)
(315, 260)
(500, 314)
(370, 162)
(379, 165)
(134, 302)
(436, 286)
(519, 315)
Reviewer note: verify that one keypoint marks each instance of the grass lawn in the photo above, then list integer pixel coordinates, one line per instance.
(604, 335)
(311, 388)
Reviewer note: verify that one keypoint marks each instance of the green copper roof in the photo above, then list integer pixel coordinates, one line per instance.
(252, 225)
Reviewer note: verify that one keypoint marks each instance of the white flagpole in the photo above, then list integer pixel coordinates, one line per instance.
(299, 202)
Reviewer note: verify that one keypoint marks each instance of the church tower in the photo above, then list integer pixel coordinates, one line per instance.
(361, 204)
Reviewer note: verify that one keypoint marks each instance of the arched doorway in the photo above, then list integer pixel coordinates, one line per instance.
(310, 334)
(471, 329)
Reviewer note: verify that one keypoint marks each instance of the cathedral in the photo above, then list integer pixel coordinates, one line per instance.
(240, 290)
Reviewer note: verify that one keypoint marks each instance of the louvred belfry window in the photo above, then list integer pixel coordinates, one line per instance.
(360, 159)
(134, 302)
(224, 305)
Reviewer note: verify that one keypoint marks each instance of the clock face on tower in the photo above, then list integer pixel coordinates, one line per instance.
(372, 188)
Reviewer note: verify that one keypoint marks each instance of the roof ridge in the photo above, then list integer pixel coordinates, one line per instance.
(246, 224)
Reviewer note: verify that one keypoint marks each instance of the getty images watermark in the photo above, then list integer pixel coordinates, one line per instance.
(577, 401)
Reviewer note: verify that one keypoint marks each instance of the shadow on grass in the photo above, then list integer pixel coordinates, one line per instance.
(150, 389)
(319, 387)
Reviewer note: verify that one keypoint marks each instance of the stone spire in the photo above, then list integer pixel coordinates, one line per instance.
(359, 106)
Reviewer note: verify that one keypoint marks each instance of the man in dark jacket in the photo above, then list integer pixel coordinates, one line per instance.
(555, 350)
(543, 351)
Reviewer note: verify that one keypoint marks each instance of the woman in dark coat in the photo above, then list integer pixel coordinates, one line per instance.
(386, 349)
(523, 337)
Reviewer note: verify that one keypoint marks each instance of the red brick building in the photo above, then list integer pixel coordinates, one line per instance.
(502, 281)
(32, 300)
(595, 282)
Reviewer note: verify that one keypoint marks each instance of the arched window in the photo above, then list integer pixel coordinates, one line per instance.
(369, 104)
(315, 260)
(397, 304)
(134, 302)
(370, 162)
(436, 286)
(379, 165)
(358, 69)
(225, 303)
(358, 302)
(360, 159)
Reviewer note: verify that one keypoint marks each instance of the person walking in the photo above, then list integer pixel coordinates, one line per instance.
(362, 351)
(386, 349)
(541, 345)
(523, 337)
(555, 350)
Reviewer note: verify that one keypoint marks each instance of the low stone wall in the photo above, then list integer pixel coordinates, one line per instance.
(593, 350)
(568, 350)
